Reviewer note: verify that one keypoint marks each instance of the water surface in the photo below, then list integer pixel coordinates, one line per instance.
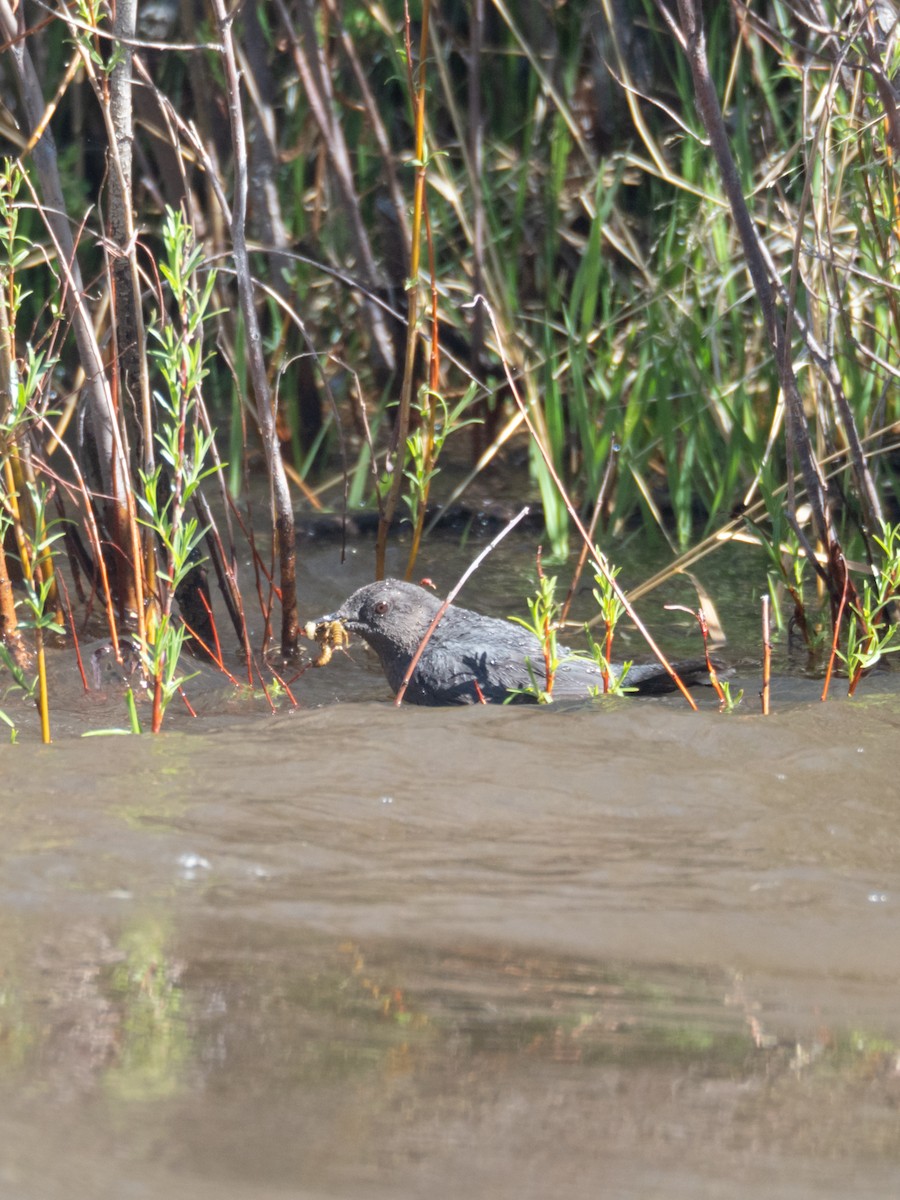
(616, 949)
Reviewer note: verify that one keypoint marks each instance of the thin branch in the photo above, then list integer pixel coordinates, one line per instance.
(280, 494)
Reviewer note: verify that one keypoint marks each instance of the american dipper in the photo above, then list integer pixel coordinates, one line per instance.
(470, 656)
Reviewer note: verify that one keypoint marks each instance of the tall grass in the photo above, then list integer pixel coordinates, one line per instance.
(348, 177)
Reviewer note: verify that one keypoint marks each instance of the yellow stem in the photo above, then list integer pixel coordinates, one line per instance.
(43, 696)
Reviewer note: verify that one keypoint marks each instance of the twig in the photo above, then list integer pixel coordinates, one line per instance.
(838, 621)
(281, 498)
(401, 428)
(692, 38)
(451, 595)
(767, 657)
(585, 546)
(700, 617)
(574, 517)
(74, 632)
(112, 453)
(316, 77)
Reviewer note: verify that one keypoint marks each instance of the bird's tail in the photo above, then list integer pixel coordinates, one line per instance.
(652, 679)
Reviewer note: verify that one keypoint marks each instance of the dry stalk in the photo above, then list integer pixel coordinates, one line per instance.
(104, 418)
(692, 39)
(316, 78)
(401, 428)
(451, 596)
(576, 519)
(281, 500)
(767, 657)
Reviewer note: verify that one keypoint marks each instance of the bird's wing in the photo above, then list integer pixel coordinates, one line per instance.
(454, 675)
(577, 678)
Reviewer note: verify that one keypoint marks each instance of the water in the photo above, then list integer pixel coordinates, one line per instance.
(354, 951)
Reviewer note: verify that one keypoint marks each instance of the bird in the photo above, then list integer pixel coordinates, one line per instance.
(471, 658)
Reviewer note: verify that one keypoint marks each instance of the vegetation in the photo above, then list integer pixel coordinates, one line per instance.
(681, 219)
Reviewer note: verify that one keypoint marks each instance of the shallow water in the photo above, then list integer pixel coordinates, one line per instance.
(348, 950)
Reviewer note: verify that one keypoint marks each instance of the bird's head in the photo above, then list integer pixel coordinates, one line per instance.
(392, 616)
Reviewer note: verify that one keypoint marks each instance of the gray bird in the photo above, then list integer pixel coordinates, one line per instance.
(470, 656)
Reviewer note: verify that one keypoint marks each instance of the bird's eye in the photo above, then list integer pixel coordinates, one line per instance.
(381, 607)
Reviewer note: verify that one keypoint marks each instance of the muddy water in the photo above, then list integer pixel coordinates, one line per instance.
(352, 951)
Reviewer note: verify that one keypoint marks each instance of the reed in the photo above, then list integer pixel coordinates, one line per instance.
(682, 217)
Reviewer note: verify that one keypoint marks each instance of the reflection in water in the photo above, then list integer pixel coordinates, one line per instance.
(154, 1041)
(613, 950)
(298, 1061)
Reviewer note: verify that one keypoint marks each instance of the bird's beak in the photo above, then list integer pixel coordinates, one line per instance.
(341, 615)
(329, 618)
(314, 628)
